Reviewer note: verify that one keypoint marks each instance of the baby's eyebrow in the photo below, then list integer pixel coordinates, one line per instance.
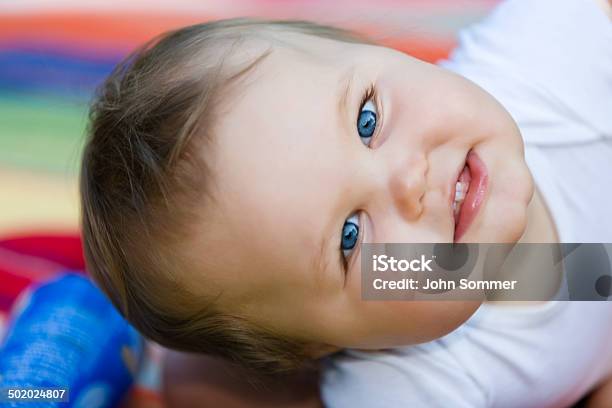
(344, 93)
(320, 260)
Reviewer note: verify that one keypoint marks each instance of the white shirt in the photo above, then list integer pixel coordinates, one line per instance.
(549, 62)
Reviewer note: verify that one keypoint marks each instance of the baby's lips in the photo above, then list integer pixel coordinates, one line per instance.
(475, 195)
(465, 176)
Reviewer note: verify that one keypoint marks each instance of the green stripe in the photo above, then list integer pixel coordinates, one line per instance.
(41, 132)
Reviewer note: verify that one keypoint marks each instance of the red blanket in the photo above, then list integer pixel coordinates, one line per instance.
(33, 258)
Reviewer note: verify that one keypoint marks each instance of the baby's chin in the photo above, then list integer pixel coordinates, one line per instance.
(505, 223)
(509, 216)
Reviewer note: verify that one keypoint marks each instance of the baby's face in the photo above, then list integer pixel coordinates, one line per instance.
(331, 145)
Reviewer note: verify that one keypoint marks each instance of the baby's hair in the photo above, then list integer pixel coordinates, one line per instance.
(144, 172)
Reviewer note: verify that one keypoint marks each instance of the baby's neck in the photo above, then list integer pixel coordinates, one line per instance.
(540, 225)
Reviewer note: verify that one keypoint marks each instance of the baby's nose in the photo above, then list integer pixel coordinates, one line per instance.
(408, 185)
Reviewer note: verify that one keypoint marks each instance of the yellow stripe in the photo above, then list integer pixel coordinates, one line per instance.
(33, 201)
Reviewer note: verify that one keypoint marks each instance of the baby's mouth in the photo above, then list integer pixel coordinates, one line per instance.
(470, 190)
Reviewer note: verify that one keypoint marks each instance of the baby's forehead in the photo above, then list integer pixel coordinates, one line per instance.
(289, 95)
(285, 46)
(270, 69)
(319, 49)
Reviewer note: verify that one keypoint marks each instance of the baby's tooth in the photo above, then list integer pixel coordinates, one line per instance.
(459, 195)
(460, 191)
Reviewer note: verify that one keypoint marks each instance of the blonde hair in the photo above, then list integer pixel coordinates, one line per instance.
(141, 179)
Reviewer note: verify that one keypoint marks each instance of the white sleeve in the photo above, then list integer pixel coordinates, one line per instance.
(549, 62)
(399, 378)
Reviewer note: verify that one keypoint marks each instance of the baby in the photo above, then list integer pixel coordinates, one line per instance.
(233, 169)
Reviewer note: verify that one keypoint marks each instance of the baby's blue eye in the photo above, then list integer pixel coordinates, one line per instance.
(350, 235)
(366, 123)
